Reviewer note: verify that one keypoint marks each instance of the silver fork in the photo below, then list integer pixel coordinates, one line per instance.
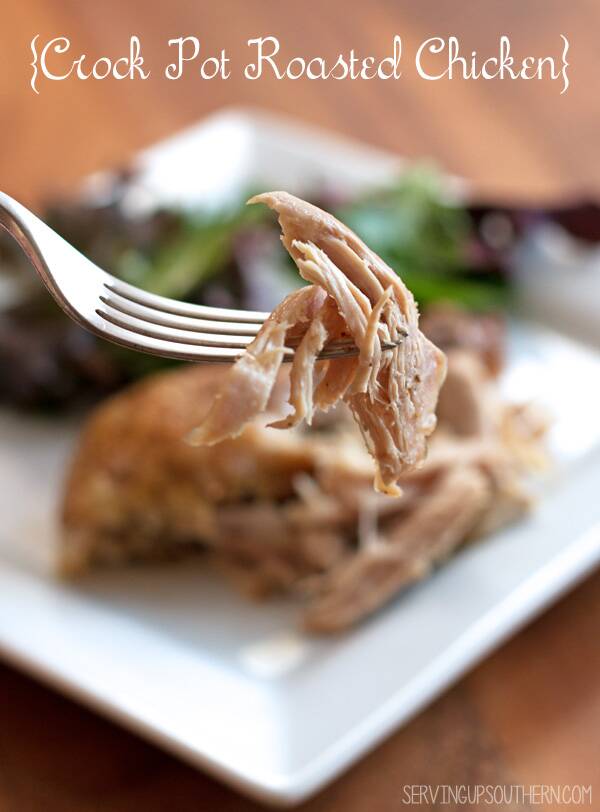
(129, 316)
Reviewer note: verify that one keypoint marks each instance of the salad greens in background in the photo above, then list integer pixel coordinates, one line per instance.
(430, 242)
(444, 251)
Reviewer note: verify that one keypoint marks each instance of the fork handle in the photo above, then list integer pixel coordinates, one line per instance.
(43, 247)
(30, 233)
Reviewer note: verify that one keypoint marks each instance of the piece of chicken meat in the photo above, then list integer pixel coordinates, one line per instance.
(392, 394)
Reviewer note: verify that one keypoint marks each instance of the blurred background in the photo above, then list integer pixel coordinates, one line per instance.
(509, 137)
(532, 711)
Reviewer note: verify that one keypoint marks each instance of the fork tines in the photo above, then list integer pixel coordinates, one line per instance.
(204, 333)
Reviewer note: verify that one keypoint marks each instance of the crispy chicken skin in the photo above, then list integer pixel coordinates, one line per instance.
(392, 395)
(136, 490)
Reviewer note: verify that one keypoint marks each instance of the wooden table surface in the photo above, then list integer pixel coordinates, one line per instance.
(531, 712)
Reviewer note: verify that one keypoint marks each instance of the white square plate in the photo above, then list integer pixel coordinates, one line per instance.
(174, 654)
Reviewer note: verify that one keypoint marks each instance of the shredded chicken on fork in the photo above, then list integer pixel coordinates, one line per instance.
(392, 394)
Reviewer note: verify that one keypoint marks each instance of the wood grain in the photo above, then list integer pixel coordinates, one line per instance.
(528, 714)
